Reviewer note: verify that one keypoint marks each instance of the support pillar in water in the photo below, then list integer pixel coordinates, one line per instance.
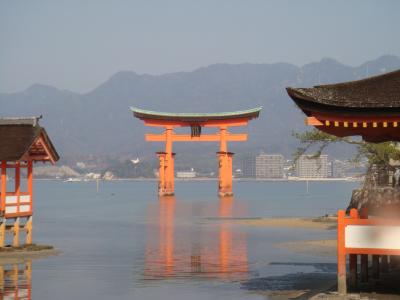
(166, 174)
(225, 174)
(224, 165)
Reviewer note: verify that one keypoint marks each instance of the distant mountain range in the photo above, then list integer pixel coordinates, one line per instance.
(100, 122)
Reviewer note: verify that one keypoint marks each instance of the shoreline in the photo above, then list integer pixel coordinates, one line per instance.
(294, 179)
(322, 248)
(10, 255)
(317, 223)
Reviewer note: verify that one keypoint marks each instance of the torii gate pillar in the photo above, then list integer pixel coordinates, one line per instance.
(224, 165)
(166, 166)
(225, 173)
(166, 174)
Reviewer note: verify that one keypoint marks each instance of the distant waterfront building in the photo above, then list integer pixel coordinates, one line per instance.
(339, 169)
(249, 166)
(81, 165)
(308, 166)
(330, 169)
(269, 166)
(92, 176)
(186, 174)
(288, 168)
(108, 175)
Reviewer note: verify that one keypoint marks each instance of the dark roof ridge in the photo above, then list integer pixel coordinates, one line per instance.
(33, 121)
(380, 91)
(362, 80)
(18, 135)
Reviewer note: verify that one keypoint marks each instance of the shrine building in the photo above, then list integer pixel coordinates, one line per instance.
(369, 108)
(23, 142)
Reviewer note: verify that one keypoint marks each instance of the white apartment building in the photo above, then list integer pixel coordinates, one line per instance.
(186, 174)
(269, 166)
(308, 166)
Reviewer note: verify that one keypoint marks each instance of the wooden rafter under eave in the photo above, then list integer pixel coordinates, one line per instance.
(45, 152)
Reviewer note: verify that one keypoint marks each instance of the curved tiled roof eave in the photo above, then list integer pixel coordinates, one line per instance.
(382, 91)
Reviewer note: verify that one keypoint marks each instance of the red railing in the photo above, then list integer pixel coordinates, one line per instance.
(17, 203)
(358, 235)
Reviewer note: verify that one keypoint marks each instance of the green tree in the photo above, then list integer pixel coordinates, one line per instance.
(379, 156)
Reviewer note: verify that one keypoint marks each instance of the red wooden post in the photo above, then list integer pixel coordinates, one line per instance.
(17, 182)
(3, 203)
(364, 257)
(341, 254)
(3, 185)
(353, 257)
(30, 183)
(28, 225)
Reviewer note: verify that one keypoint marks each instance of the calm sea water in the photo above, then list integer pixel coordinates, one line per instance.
(125, 243)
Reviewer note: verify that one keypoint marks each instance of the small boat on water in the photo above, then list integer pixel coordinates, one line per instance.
(73, 180)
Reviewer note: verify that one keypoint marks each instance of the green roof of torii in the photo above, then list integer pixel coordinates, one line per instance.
(195, 117)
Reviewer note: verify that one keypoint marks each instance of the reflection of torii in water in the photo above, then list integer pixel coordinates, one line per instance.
(199, 251)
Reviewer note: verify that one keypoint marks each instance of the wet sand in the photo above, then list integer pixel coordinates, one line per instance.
(291, 286)
(319, 223)
(362, 296)
(11, 255)
(313, 247)
(298, 285)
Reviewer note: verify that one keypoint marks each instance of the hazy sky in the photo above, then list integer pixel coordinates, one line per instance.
(77, 44)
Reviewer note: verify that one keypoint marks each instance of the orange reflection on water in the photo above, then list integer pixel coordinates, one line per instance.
(167, 213)
(179, 244)
(15, 281)
(233, 245)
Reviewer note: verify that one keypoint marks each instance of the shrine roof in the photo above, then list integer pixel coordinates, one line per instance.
(377, 94)
(24, 138)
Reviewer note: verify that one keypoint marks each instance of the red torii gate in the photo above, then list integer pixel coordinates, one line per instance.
(195, 121)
